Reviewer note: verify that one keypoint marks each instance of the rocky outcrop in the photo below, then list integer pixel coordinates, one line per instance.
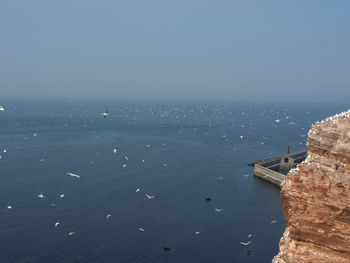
(316, 198)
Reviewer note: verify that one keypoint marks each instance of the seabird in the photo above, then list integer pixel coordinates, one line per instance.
(71, 233)
(249, 235)
(241, 137)
(105, 114)
(5, 151)
(196, 233)
(115, 150)
(124, 165)
(62, 195)
(2, 108)
(41, 196)
(141, 229)
(149, 196)
(137, 190)
(9, 207)
(57, 223)
(108, 216)
(126, 158)
(273, 221)
(218, 210)
(73, 175)
(245, 244)
(278, 120)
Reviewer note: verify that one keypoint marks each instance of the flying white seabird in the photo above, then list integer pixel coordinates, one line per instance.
(150, 196)
(73, 175)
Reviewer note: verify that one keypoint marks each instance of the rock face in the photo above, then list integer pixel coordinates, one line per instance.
(316, 198)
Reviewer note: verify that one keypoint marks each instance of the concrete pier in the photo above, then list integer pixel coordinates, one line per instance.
(276, 169)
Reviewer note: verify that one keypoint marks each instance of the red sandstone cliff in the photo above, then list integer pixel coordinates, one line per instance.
(316, 198)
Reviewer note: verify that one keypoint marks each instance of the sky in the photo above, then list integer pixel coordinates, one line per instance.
(186, 50)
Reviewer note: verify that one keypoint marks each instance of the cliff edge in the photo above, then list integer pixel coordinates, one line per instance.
(316, 198)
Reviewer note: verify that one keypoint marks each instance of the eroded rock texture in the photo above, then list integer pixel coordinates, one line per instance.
(316, 198)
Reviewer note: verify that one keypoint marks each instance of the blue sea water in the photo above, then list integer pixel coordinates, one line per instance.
(191, 151)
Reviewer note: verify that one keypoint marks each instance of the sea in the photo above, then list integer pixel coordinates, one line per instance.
(145, 172)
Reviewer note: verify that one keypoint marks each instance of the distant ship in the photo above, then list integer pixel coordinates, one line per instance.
(2, 108)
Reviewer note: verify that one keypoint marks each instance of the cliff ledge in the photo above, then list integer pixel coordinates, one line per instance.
(316, 198)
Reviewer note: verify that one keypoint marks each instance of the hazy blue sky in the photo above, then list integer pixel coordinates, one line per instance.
(175, 49)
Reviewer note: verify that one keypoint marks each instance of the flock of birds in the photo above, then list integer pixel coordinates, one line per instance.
(148, 196)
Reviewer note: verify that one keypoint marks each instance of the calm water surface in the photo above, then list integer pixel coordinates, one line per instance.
(178, 153)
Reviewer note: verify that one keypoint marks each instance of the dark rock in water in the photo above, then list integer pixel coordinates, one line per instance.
(166, 249)
(208, 199)
(247, 252)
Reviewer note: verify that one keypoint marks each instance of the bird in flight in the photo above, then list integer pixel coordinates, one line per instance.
(62, 195)
(71, 233)
(2, 108)
(218, 210)
(105, 114)
(41, 196)
(108, 216)
(73, 175)
(56, 224)
(141, 229)
(9, 207)
(150, 196)
(245, 244)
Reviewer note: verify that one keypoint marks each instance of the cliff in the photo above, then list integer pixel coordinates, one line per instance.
(316, 198)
